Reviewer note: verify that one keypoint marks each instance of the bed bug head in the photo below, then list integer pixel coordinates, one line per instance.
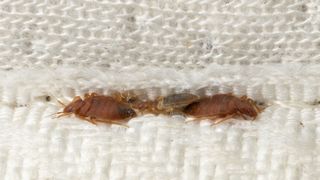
(248, 107)
(74, 106)
(127, 112)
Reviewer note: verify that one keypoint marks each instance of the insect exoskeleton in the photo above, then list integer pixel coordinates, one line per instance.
(170, 104)
(175, 102)
(221, 107)
(138, 102)
(99, 108)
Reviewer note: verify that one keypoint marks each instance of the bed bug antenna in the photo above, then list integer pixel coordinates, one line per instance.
(60, 102)
(55, 115)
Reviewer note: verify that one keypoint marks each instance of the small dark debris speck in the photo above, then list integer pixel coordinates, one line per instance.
(304, 8)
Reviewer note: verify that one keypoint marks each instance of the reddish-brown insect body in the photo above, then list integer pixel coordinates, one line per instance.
(98, 108)
(221, 107)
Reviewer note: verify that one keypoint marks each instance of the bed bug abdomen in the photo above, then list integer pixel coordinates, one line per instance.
(104, 107)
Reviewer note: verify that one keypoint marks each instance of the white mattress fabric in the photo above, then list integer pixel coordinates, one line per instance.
(267, 50)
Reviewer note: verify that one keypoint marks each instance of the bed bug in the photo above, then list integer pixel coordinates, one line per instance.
(98, 108)
(221, 107)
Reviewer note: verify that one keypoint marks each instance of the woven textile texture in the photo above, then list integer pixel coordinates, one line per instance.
(267, 50)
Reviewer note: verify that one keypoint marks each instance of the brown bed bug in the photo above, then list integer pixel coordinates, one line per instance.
(98, 108)
(221, 107)
(170, 104)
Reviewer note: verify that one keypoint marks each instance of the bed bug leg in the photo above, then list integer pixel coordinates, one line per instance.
(95, 121)
(119, 96)
(220, 120)
(216, 120)
(119, 123)
(55, 115)
(115, 122)
(203, 118)
(92, 120)
(244, 97)
(259, 110)
(86, 95)
(176, 112)
(254, 105)
(243, 116)
(60, 114)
